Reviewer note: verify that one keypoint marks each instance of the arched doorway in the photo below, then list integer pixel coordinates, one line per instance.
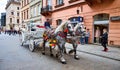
(101, 21)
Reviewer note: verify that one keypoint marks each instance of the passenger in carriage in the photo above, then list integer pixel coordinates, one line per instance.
(47, 24)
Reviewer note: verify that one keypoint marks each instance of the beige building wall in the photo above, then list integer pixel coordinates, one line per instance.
(35, 10)
(25, 11)
(13, 16)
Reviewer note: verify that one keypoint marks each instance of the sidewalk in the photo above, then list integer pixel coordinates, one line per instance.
(113, 53)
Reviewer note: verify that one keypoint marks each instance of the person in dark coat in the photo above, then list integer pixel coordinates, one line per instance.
(47, 24)
(105, 40)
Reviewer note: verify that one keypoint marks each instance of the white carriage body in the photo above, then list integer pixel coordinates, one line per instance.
(32, 34)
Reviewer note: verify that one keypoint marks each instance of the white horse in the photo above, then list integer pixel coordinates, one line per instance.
(61, 34)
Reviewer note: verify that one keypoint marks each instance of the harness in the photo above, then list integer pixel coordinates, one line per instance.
(62, 34)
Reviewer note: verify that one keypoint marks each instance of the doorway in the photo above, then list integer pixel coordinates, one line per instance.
(100, 28)
(101, 21)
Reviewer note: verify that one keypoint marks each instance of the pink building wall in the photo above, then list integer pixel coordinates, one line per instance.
(109, 7)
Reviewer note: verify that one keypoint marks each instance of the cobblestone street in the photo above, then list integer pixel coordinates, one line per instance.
(15, 57)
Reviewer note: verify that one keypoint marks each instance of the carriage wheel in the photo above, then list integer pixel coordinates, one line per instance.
(31, 45)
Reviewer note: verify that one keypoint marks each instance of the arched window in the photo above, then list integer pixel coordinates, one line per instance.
(101, 17)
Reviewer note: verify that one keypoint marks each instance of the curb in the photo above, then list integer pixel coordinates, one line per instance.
(97, 54)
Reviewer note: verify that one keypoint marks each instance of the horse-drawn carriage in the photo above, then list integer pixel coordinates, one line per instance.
(65, 32)
(31, 34)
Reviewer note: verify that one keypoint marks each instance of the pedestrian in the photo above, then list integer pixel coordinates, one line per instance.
(87, 35)
(47, 24)
(97, 35)
(105, 40)
(82, 39)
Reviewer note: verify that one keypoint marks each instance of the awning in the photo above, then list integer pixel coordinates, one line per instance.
(101, 22)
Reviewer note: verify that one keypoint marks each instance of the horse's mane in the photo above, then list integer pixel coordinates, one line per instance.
(60, 27)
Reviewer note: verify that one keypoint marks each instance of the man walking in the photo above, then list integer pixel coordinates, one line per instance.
(87, 35)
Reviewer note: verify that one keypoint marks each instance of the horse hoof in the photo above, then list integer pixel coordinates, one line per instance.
(71, 51)
(43, 53)
(51, 55)
(65, 52)
(63, 62)
(56, 55)
(76, 57)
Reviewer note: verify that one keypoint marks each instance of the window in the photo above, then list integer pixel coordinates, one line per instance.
(49, 3)
(35, 11)
(39, 9)
(59, 2)
(22, 3)
(10, 20)
(17, 14)
(31, 12)
(71, 1)
(12, 13)
(24, 14)
(17, 8)
(27, 14)
(100, 17)
(59, 21)
(17, 20)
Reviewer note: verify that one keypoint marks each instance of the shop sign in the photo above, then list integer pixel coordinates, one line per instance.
(80, 19)
(115, 18)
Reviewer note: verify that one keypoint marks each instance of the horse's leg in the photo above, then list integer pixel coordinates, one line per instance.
(71, 50)
(75, 51)
(61, 53)
(51, 54)
(64, 49)
(43, 52)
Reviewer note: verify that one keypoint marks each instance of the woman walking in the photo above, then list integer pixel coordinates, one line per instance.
(105, 40)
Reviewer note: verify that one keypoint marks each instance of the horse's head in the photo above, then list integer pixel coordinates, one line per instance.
(69, 28)
(79, 29)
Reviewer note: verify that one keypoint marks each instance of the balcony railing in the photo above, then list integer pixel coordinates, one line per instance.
(46, 10)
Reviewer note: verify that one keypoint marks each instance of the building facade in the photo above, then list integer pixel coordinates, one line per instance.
(3, 19)
(13, 14)
(0, 22)
(96, 14)
(35, 10)
(30, 11)
(25, 11)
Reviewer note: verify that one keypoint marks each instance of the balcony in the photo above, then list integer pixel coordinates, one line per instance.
(91, 2)
(46, 11)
